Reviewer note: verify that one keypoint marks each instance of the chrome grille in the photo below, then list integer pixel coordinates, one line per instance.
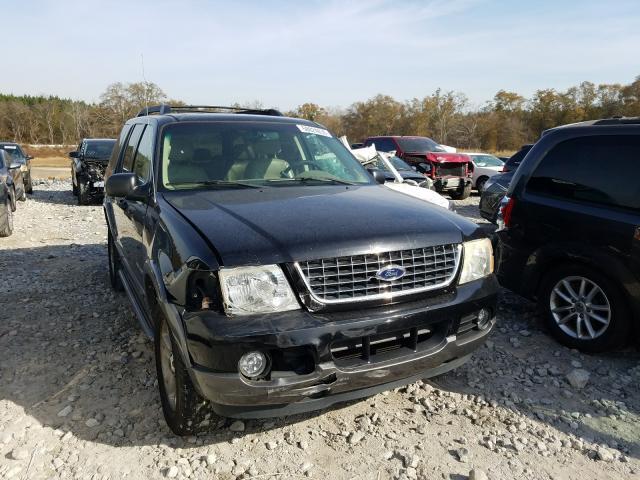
(353, 278)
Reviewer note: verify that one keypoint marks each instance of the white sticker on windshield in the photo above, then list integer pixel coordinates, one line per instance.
(316, 130)
(9, 147)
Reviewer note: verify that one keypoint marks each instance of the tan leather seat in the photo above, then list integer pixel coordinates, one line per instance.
(266, 165)
(182, 168)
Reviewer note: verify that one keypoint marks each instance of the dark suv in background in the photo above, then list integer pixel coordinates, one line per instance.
(570, 232)
(496, 187)
(275, 275)
(88, 164)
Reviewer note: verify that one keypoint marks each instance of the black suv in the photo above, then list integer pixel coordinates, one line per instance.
(570, 233)
(88, 164)
(274, 274)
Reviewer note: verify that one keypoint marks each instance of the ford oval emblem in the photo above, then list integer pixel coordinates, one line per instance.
(390, 273)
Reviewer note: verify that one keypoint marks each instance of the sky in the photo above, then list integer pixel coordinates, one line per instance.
(333, 53)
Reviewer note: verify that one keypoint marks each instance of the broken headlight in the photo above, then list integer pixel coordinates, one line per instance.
(261, 289)
(202, 291)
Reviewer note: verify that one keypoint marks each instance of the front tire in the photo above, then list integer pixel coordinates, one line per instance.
(461, 193)
(184, 408)
(6, 218)
(29, 185)
(584, 309)
(13, 199)
(480, 184)
(83, 193)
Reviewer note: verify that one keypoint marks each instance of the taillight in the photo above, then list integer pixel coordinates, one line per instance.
(506, 210)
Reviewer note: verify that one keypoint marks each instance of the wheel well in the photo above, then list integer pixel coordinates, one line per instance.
(556, 262)
(482, 177)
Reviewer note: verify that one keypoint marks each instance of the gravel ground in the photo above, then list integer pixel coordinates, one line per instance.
(78, 392)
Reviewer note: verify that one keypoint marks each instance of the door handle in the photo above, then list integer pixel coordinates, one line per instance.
(123, 204)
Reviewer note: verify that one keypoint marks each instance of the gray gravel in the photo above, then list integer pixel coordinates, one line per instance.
(78, 394)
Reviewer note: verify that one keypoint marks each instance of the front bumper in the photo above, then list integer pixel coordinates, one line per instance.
(309, 367)
(451, 183)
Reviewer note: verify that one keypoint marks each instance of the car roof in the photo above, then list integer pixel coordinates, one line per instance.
(162, 114)
(221, 117)
(613, 121)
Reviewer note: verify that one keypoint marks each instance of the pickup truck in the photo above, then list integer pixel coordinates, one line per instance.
(450, 172)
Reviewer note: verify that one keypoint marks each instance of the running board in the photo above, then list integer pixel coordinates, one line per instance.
(142, 318)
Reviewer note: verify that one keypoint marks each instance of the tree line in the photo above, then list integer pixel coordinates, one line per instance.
(504, 123)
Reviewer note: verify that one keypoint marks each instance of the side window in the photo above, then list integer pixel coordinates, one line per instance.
(601, 169)
(385, 144)
(132, 145)
(144, 155)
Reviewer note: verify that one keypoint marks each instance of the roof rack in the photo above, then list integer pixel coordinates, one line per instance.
(165, 109)
(618, 120)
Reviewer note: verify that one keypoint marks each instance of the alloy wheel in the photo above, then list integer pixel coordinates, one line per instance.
(580, 308)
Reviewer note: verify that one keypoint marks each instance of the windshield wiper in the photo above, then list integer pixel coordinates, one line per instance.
(312, 179)
(222, 183)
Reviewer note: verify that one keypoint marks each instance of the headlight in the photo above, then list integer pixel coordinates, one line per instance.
(478, 260)
(249, 290)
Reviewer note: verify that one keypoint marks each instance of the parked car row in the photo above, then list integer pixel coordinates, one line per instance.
(15, 183)
(280, 270)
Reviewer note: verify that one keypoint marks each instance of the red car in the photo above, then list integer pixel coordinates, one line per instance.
(450, 172)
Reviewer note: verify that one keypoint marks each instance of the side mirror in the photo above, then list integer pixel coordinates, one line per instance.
(120, 184)
(74, 154)
(378, 175)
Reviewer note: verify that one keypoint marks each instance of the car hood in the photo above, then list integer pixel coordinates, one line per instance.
(286, 224)
(442, 157)
(419, 193)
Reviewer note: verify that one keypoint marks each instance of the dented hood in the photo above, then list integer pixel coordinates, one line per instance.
(286, 224)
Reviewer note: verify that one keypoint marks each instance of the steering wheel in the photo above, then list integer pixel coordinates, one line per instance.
(311, 163)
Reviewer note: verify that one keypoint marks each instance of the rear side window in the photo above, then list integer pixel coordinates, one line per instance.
(130, 150)
(602, 169)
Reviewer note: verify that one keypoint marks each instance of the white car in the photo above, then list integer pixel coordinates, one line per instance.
(485, 166)
(369, 155)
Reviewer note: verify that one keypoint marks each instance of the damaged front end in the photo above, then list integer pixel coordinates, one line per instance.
(92, 174)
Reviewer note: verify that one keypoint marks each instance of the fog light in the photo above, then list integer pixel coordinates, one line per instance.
(484, 317)
(252, 364)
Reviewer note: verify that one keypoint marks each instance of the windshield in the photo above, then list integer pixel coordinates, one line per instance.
(419, 144)
(14, 151)
(99, 150)
(487, 161)
(235, 154)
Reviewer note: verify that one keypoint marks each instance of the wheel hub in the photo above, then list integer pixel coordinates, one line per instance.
(580, 308)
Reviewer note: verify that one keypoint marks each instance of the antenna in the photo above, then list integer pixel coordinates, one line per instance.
(144, 83)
